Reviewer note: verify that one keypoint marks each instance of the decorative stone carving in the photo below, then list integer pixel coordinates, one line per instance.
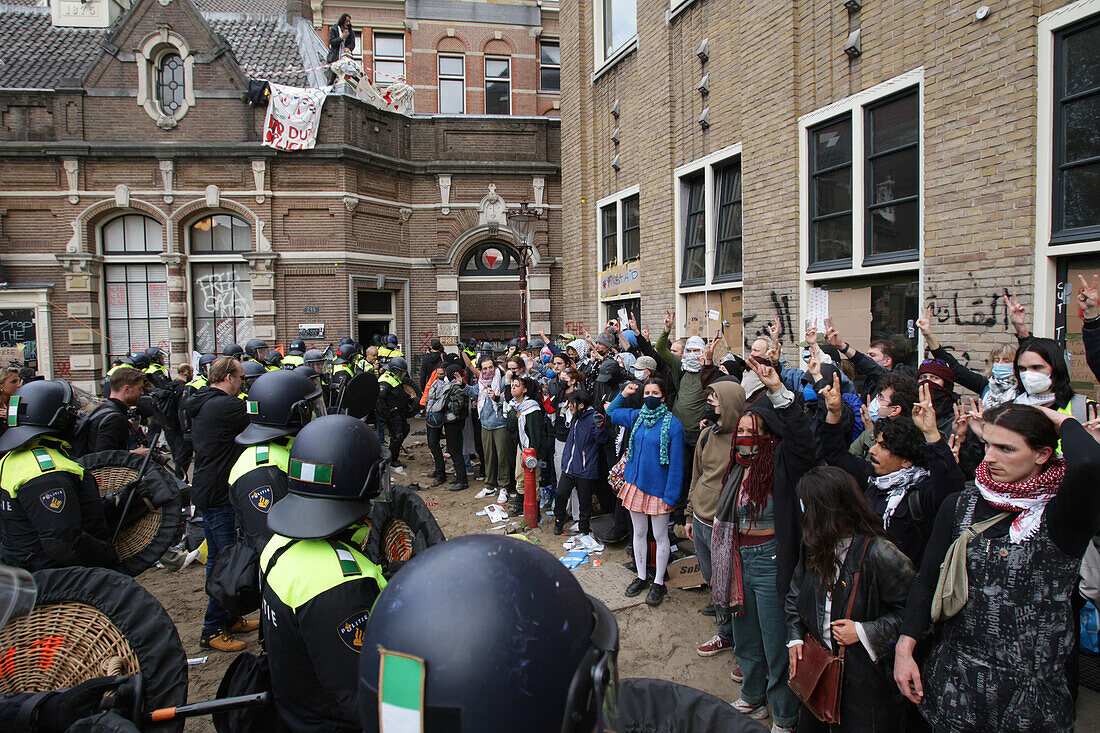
(263, 244)
(259, 168)
(445, 193)
(72, 177)
(405, 213)
(350, 203)
(122, 196)
(167, 171)
(74, 245)
(538, 184)
(492, 208)
(213, 196)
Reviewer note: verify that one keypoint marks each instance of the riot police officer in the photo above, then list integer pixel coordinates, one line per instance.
(294, 354)
(342, 371)
(279, 405)
(319, 588)
(51, 514)
(532, 648)
(273, 361)
(392, 408)
(201, 380)
(157, 370)
(234, 350)
(253, 370)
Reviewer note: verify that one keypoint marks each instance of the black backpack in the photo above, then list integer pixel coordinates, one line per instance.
(83, 431)
(166, 402)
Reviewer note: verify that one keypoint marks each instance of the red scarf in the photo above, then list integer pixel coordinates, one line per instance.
(1029, 497)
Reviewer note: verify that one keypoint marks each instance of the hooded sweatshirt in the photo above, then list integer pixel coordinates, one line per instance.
(216, 419)
(714, 452)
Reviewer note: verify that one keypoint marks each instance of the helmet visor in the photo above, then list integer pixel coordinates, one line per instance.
(593, 700)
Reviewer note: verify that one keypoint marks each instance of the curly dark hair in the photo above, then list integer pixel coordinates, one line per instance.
(905, 390)
(835, 508)
(902, 437)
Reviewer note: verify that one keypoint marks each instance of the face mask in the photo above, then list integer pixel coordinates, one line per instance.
(1002, 371)
(549, 373)
(652, 402)
(545, 358)
(641, 374)
(710, 415)
(747, 446)
(873, 409)
(1035, 382)
(939, 394)
(809, 394)
(690, 362)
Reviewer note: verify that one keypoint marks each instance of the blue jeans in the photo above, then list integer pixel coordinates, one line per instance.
(380, 426)
(701, 534)
(219, 526)
(761, 635)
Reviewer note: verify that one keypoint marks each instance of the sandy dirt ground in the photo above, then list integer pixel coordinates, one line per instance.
(655, 642)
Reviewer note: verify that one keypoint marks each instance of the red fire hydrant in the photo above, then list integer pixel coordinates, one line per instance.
(530, 490)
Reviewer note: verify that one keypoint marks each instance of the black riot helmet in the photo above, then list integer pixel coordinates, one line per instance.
(533, 646)
(155, 355)
(313, 356)
(256, 348)
(204, 363)
(397, 364)
(274, 359)
(297, 347)
(42, 407)
(252, 371)
(280, 403)
(234, 350)
(336, 467)
(376, 339)
(140, 361)
(346, 352)
(310, 372)
(390, 340)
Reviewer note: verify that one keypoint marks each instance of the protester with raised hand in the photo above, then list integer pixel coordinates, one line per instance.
(996, 387)
(1088, 298)
(897, 393)
(841, 536)
(881, 358)
(910, 472)
(1000, 661)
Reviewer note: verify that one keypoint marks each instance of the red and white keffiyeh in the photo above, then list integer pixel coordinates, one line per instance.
(1029, 497)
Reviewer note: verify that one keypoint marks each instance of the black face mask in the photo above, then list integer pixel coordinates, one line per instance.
(710, 415)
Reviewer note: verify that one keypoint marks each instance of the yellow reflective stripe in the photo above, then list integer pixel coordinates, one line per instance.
(310, 568)
(21, 466)
(277, 455)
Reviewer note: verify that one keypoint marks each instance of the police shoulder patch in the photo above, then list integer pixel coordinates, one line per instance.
(260, 498)
(351, 630)
(54, 500)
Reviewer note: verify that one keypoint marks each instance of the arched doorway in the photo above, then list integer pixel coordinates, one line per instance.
(489, 294)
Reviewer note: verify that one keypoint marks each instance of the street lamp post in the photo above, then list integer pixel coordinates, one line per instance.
(522, 221)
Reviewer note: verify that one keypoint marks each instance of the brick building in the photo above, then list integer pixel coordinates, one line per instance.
(138, 207)
(764, 159)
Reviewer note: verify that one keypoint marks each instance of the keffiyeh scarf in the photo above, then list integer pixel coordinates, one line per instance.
(896, 485)
(523, 409)
(1029, 497)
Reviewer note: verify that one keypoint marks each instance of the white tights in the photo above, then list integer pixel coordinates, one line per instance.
(641, 543)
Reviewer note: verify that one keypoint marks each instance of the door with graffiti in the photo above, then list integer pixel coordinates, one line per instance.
(1069, 320)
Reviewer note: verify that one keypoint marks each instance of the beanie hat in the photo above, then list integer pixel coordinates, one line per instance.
(631, 337)
(939, 369)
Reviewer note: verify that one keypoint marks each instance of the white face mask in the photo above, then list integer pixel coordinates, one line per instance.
(873, 410)
(1035, 382)
(690, 361)
(641, 374)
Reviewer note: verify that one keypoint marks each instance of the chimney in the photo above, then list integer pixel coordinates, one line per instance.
(298, 9)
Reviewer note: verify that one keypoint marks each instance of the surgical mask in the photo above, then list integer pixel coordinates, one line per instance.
(710, 415)
(545, 358)
(690, 362)
(1002, 371)
(641, 374)
(747, 447)
(652, 402)
(549, 373)
(873, 410)
(1035, 382)
(809, 394)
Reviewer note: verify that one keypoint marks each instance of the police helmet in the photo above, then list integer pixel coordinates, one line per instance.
(336, 467)
(274, 359)
(537, 344)
(346, 352)
(233, 350)
(513, 342)
(297, 347)
(390, 340)
(204, 363)
(308, 371)
(313, 355)
(42, 407)
(376, 339)
(280, 403)
(397, 364)
(346, 340)
(140, 361)
(471, 343)
(253, 370)
(253, 347)
(155, 355)
(533, 646)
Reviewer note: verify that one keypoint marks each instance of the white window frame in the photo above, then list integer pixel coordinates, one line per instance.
(211, 258)
(553, 42)
(1047, 254)
(111, 259)
(487, 79)
(375, 57)
(602, 60)
(616, 199)
(441, 77)
(38, 300)
(360, 49)
(854, 105)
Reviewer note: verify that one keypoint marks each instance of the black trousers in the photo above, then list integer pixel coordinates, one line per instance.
(584, 487)
(398, 428)
(453, 433)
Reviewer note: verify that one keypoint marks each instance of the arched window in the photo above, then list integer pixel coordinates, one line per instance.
(490, 258)
(136, 284)
(170, 83)
(221, 290)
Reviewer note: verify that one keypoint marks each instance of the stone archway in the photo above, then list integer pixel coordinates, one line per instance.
(489, 293)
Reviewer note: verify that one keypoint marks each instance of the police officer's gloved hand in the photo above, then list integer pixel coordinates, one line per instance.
(113, 504)
(61, 709)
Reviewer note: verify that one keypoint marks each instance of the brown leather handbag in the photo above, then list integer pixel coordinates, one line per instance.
(820, 675)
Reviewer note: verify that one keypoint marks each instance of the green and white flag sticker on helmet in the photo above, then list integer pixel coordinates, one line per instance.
(400, 693)
(253, 407)
(13, 411)
(312, 473)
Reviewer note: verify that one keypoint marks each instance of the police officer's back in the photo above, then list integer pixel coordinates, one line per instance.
(319, 589)
(393, 405)
(295, 354)
(51, 514)
(279, 404)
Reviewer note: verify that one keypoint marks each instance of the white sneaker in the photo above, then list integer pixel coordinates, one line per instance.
(502, 497)
(777, 728)
(756, 712)
(487, 491)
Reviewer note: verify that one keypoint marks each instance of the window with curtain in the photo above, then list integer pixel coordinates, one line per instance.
(135, 284)
(695, 230)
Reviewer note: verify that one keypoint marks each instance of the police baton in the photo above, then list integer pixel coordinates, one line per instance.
(131, 488)
(209, 707)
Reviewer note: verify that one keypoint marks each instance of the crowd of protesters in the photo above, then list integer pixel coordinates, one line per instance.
(822, 496)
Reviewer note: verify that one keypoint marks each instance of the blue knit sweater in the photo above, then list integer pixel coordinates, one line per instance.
(646, 471)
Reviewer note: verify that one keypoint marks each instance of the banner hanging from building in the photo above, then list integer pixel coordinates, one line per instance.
(292, 117)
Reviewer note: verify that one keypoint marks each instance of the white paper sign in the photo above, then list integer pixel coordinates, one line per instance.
(624, 319)
(714, 315)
